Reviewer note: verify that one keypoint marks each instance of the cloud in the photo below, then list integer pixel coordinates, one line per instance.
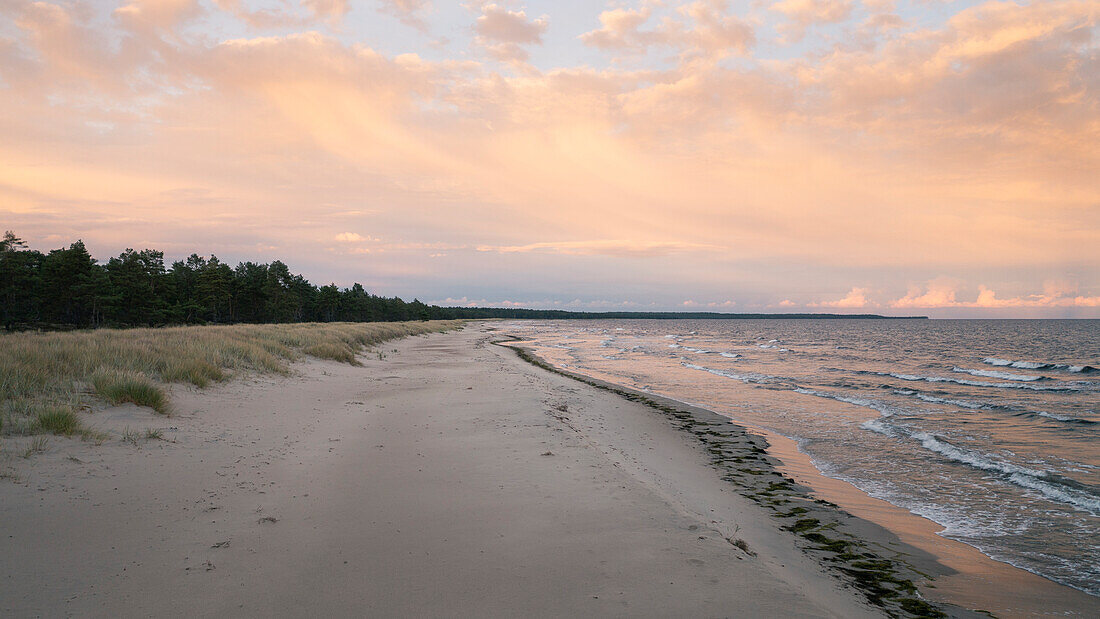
(351, 237)
(620, 248)
(497, 23)
(503, 33)
(410, 12)
(162, 15)
(916, 155)
(941, 293)
(701, 27)
(329, 10)
(266, 17)
(856, 297)
(710, 305)
(808, 12)
(620, 29)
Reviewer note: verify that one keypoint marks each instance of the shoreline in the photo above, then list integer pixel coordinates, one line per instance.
(978, 581)
(961, 575)
(868, 556)
(447, 478)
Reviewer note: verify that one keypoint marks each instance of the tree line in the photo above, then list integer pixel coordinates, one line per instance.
(67, 288)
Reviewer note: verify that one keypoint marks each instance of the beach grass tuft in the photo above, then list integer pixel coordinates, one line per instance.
(46, 378)
(336, 351)
(198, 372)
(120, 387)
(57, 420)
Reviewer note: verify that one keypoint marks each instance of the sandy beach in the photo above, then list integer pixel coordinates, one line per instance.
(449, 478)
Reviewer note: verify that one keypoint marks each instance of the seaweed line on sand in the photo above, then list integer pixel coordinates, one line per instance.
(743, 459)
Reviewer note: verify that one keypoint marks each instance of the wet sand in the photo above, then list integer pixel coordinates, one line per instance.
(448, 479)
(973, 580)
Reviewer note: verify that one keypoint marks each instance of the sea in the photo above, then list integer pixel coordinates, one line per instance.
(990, 428)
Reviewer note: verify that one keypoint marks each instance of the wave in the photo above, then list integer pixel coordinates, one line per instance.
(1056, 417)
(1001, 375)
(972, 383)
(745, 378)
(953, 402)
(885, 410)
(1051, 485)
(1040, 365)
(1017, 411)
(704, 351)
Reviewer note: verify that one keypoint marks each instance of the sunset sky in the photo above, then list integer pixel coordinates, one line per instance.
(929, 157)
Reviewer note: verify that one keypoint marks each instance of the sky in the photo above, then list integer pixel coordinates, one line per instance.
(900, 157)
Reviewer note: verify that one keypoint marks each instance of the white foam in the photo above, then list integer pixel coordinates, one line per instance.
(1038, 365)
(996, 374)
(975, 383)
(1023, 477)
(883, 409)
(745, 378)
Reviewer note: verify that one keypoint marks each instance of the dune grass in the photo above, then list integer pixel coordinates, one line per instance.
(57, 420)
(45, 378)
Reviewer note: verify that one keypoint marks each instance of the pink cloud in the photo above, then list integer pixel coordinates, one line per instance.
(157, 14)
(261, 18)
(329, 10)
(603, 247)
(497, 23)
(806, 13)
(503, 33)
(905, 153)
(855, 298)
(941, 293)
(703, 27)
(409, 12)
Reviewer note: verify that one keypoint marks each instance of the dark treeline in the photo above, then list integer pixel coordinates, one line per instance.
(498, 312)
(67, 288)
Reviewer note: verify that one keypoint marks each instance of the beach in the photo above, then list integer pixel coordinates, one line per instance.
(449, 478)
(445, 477)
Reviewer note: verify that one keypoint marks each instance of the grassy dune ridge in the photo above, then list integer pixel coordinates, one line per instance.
(46, 378)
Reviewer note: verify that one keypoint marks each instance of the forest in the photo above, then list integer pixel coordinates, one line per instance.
(67, 288)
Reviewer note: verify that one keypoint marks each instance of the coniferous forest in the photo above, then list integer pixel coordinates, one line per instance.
(67, 288)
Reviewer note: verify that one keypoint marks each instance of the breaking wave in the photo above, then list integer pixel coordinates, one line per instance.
(1051, 485)
(1001, 375)
(1039, 365)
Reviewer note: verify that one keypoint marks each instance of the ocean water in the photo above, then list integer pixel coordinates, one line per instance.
(989, 428)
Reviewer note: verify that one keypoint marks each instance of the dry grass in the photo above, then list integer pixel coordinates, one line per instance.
(46, 377)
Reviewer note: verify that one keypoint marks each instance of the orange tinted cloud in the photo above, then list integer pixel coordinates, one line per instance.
(941, 294)
(917, 151)
(856, 297)
(703, 27)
